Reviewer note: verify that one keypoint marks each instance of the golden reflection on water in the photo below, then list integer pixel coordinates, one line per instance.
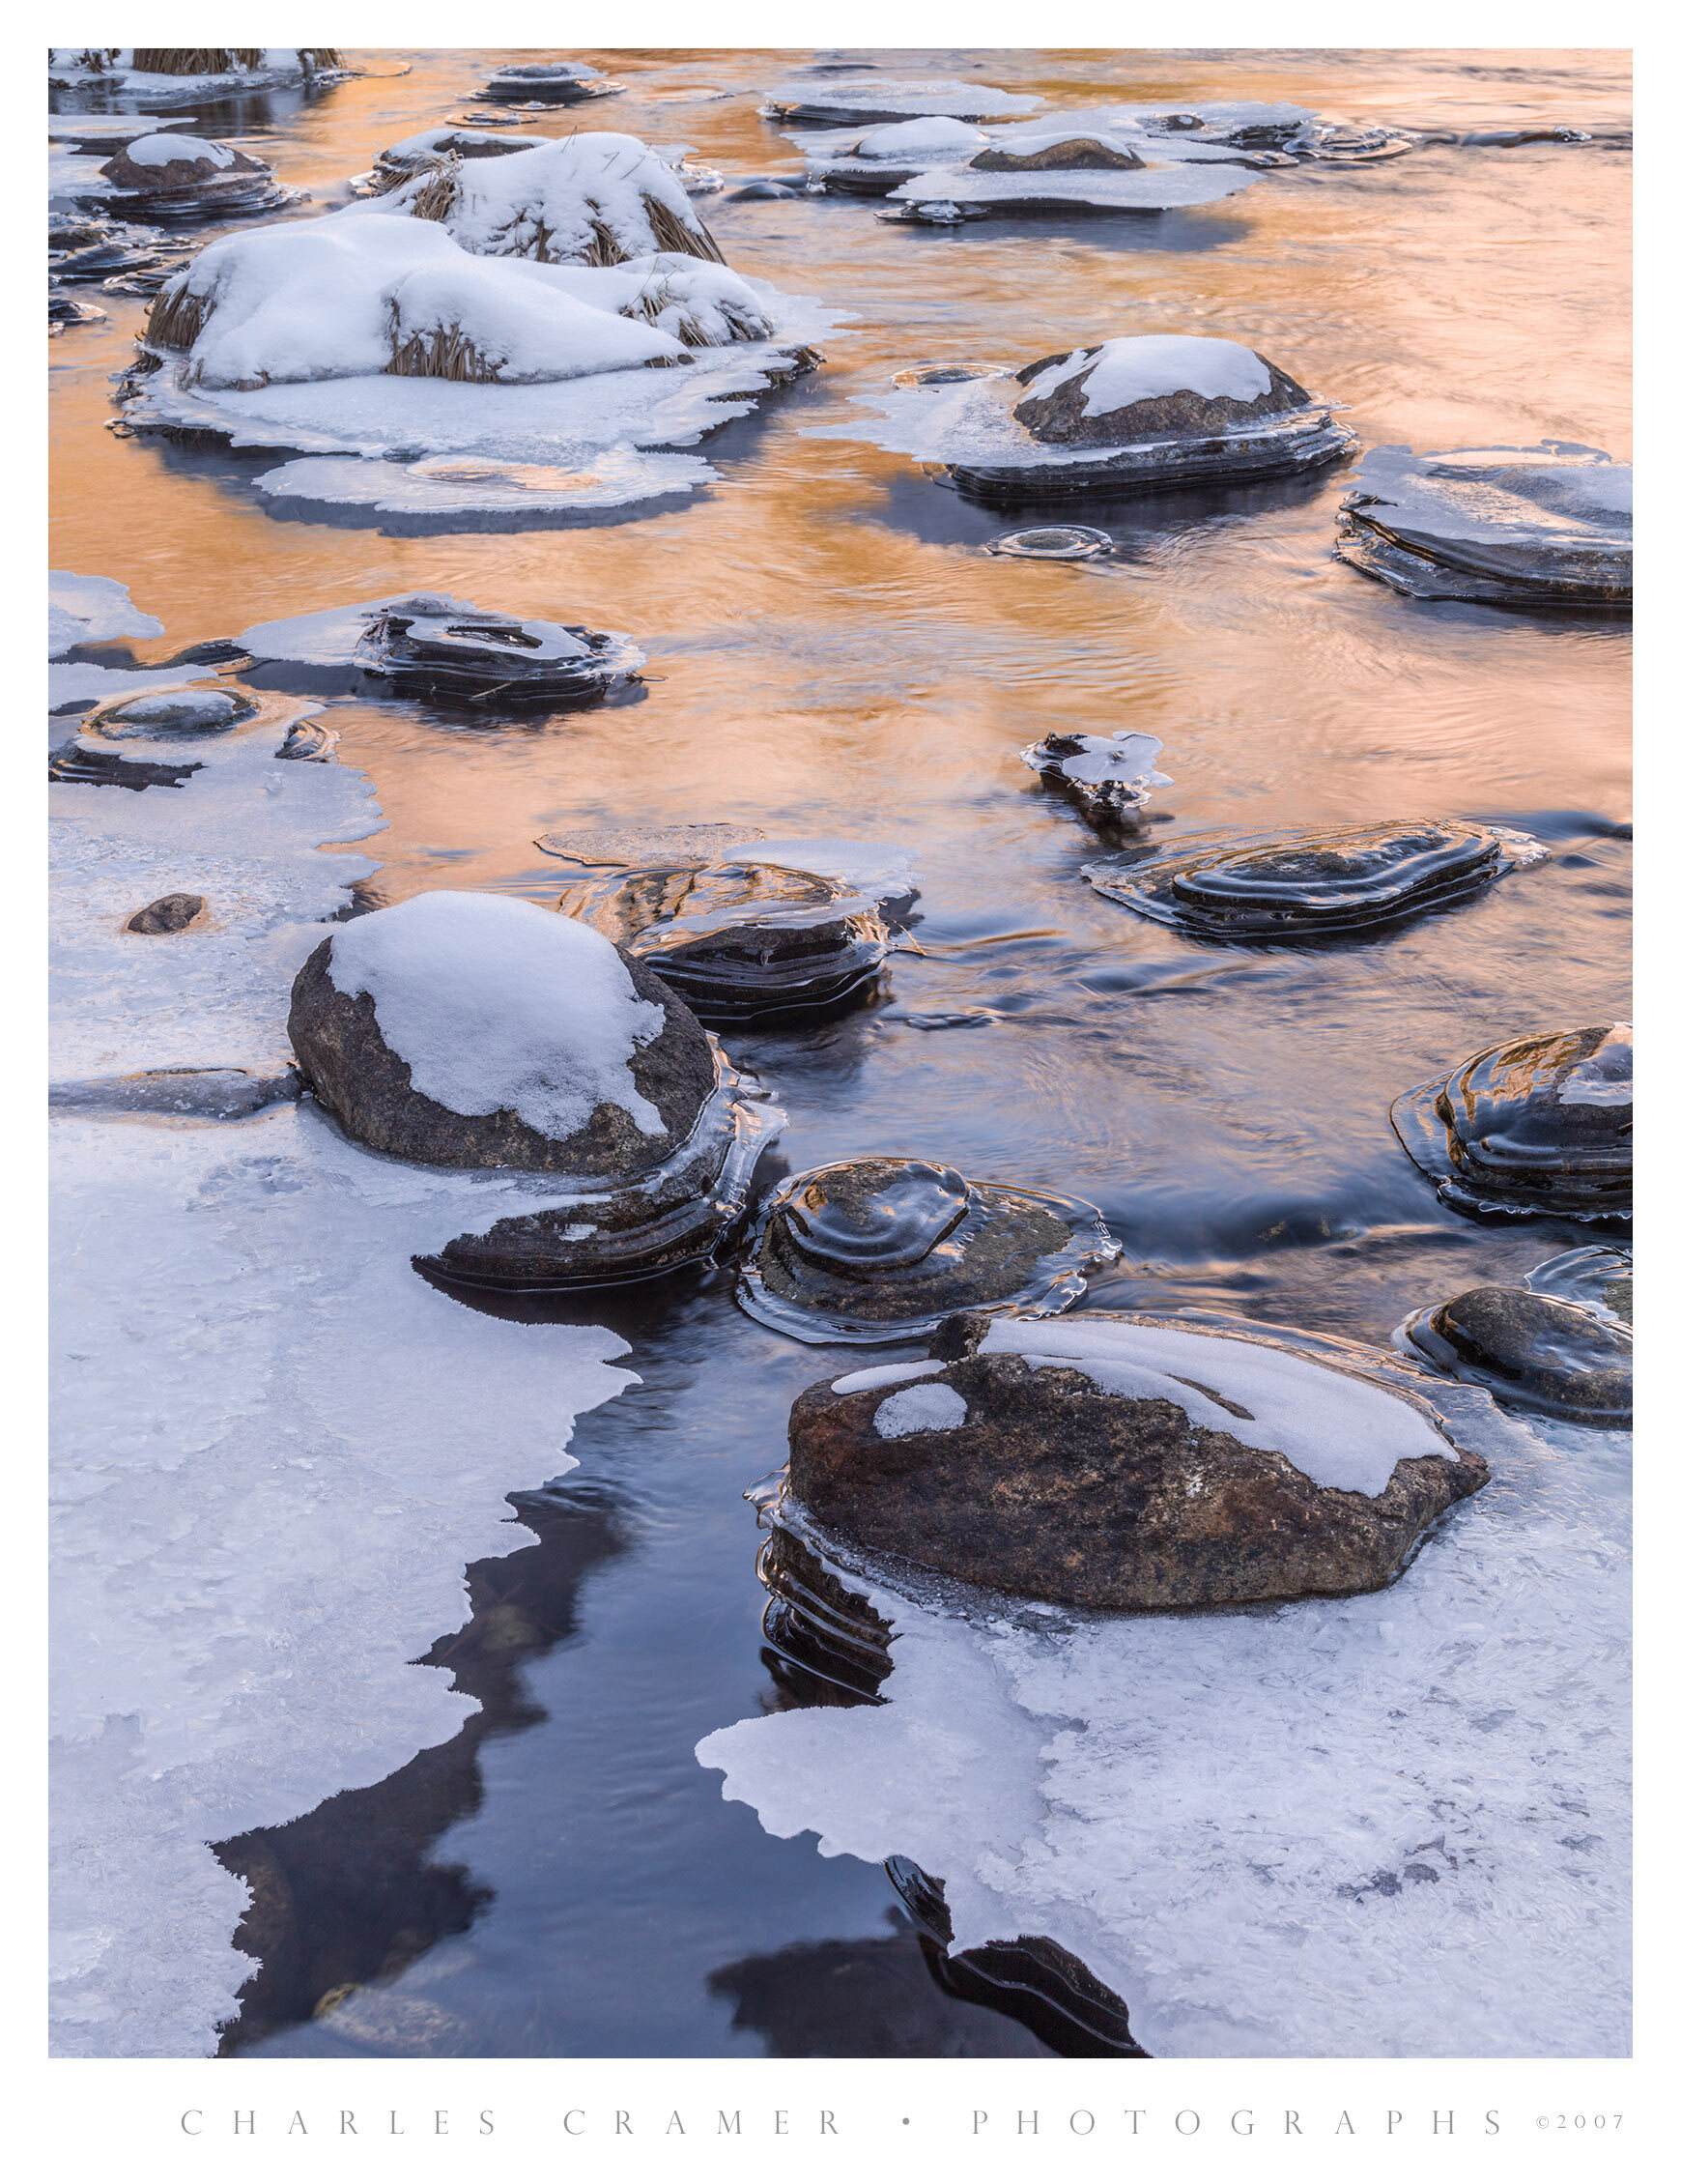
(831, 649)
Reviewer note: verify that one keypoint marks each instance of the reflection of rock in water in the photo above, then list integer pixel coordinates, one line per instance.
(872, 1998)
(825, 1645)
(1031, 1978)
(349, 1893)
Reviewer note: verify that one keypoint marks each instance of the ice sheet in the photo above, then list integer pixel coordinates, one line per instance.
(1138, 190)
(1390, 1826)
(264, 1415)
(91, 610)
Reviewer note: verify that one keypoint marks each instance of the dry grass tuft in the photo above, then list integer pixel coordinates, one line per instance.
(674, 234)
(443, 352)
(177, 317)
(195, 60)
(218, 60)
(440, 192)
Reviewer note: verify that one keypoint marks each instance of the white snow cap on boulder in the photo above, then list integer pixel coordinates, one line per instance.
(162, 151)
(494, 1003)
(934, 135)
(338, 298)
(1141, 368)
(1338, 1429)
(583, 198)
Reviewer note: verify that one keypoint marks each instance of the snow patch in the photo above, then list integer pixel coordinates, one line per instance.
(1143, 367)
(159, 151)
(883, 1376)
(930, 1409)
(91, 610)
(496, 1004)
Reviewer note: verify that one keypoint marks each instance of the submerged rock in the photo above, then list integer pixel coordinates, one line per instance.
(430, 645)
(1129, 1461)
(170, 913)
(1109, 777)
(165, 714)
(1538, 1125)
(98, 767)
(480, 1031)
(744, 943)
(177, 179)
(1534, 1351)
(63, 309)
(547, 84)
(201, 1095)
(1054, 543)
(1510, 527)
(1307, 887)
(883, 1249)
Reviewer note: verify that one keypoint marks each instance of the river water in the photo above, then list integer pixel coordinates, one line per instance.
(830, 653)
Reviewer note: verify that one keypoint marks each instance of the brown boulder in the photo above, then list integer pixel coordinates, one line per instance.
(1075, 154)
(1060, 418)
(356, 1077)
(1042, 1484)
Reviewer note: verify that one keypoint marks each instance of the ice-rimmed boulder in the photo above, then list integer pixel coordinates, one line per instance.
(430, 645)
(1534, 1351)
(589, 199)
(1307, 886)
(1543, 1124)
(1136, 413)
(1131, 1461)
(1545, 526)
(168, 177)
(743, 942)
(883, 1249)
(880, 101)
(546, 83)
(480, 1031)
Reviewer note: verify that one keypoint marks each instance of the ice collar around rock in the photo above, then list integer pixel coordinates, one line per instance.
(1142, 368)
(1339, 1430)
(496, 1004)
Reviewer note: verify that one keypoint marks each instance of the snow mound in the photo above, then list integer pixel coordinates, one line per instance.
(1339, 1430)
(344, 297)
(869, 97)
(933, 137)
(592, 198)
(478, 491)
(496, 1004)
